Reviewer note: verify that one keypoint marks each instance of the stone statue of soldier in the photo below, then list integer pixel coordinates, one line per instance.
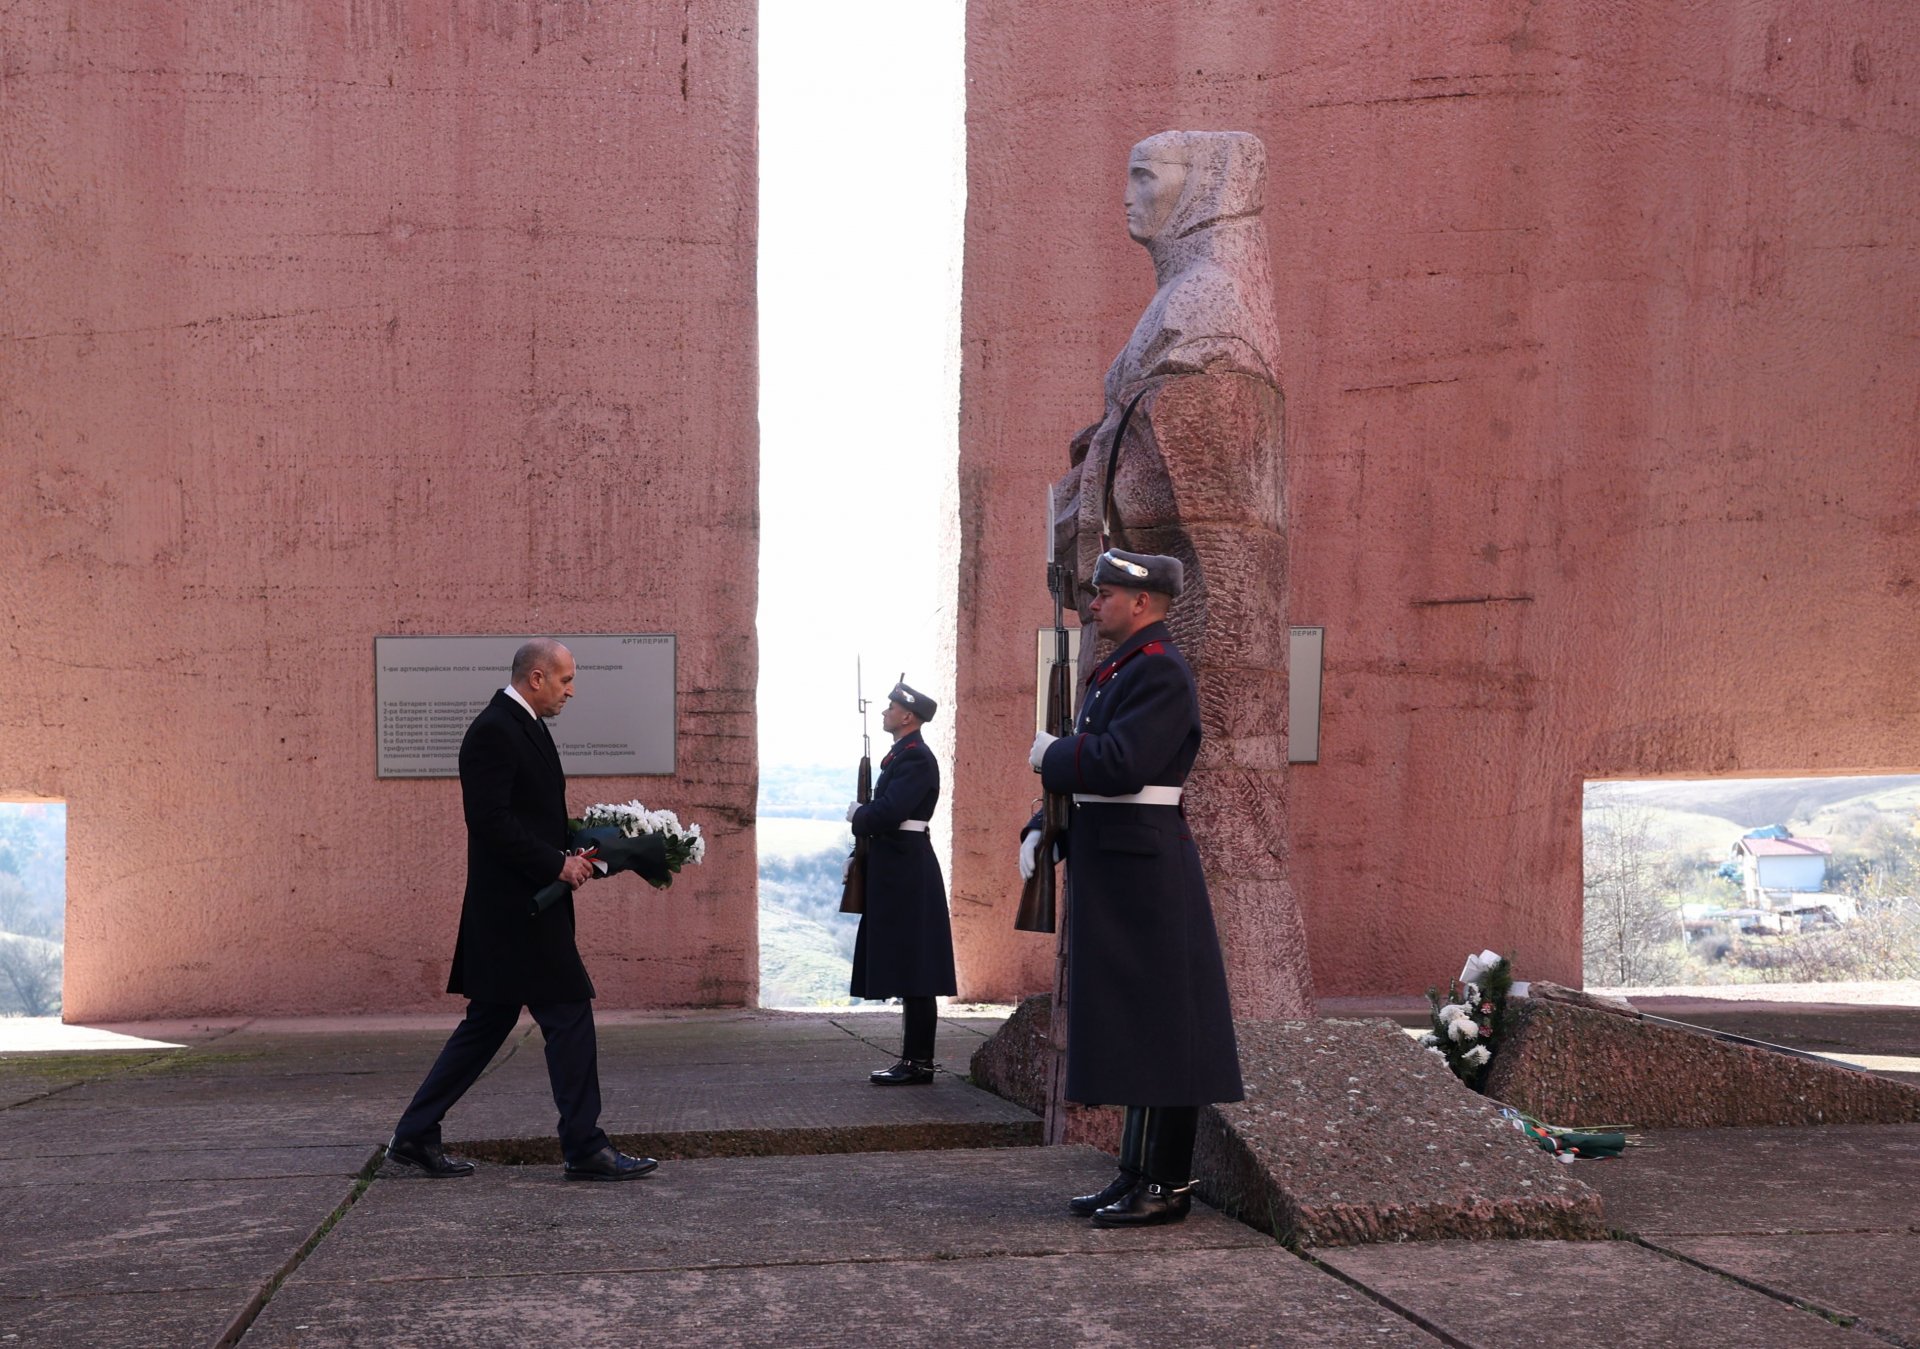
(1186, 461)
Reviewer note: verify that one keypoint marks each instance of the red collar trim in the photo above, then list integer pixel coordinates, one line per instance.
(1112, 667)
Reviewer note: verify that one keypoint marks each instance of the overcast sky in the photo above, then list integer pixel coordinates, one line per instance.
(862, 186)
(862, 192)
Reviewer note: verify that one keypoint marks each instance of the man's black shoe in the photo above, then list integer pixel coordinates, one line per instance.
(1146, 1205)
(610, 1164)
(1117, 1189)
(426, 1159)
(906, 1073)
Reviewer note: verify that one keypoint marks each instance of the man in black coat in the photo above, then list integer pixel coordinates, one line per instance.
(904, 948)
(507, 957)
(1149, 1025)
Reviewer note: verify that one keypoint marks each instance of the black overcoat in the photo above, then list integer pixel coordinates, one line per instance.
(904, 948)
(515, 797)
(1148, 1018)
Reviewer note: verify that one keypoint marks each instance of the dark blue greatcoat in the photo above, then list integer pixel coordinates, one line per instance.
(1148, 1019)
(514, 794)
(904, 948)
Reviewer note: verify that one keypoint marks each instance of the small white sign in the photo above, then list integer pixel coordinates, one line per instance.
(619, 723)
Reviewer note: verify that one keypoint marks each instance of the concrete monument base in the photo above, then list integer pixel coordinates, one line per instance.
(1572, 1064)
(1349, 1133)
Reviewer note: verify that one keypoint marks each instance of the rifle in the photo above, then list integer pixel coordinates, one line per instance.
(853, 892)
(1039, 895)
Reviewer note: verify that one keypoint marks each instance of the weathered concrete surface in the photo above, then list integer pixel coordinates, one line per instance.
(1865, 1033)
(322, 324)
(735, 1084)
(1576, 1065)
(1351, 1133)
(1842, 1179)
(138, 1236)
(1594, 1295)
(1576, 301)
(1258, 1296)
(1867, 1276)
(950, 1204)
(799, 1250)
(175, 1316)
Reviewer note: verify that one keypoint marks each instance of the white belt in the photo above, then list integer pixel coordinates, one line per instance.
(913, 826)
(1146, 796)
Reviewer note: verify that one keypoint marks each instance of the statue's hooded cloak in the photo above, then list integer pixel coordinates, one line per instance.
(1213, 312)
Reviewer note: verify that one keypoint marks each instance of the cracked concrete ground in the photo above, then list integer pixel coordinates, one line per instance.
(226, 1193)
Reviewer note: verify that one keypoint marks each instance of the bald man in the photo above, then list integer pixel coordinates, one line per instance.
(514, 793)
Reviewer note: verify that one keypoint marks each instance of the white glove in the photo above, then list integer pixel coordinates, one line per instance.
(1029, 854)
(850, 810)
(1039, 750)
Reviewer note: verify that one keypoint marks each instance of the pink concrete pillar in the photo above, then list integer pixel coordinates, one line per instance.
(325, 321)
(1601, 376)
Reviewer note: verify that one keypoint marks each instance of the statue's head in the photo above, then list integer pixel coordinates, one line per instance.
(1182, 181)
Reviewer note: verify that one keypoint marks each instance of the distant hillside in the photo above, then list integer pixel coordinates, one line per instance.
(1749, 803)
(806, 943)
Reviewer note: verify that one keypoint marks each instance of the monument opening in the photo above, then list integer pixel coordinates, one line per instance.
(859, 308)
(33, 906)
(1751, 881)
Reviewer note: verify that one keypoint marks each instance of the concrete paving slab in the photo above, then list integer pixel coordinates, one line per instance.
(27, 1077)
(1573, 1295)
(184, 1316)
(164, 1164)
(50, 1128)
(1868, 1276)
(60, 1240)
(1844, 1178)
(1185, 1298)
(703, 1109)
(945, 1205)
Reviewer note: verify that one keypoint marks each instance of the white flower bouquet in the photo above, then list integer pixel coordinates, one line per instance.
(683, 843)
(653, 844)
(1466, 1028)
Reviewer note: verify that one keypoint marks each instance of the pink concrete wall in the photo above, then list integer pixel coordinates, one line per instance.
(1602, 376)
(330, 320)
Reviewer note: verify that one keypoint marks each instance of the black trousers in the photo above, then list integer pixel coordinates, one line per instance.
(918, 1016)
(573, 1070)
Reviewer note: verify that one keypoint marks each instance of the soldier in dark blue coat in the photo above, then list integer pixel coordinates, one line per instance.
(904, 948)
(1149, 1025)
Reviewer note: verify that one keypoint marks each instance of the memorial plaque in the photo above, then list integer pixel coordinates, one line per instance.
(619, 723)
(1305, 651)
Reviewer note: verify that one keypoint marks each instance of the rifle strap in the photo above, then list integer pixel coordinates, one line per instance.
(1113, 467)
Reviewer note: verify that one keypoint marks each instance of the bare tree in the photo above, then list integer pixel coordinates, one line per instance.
(31, 968)
(1631, 935)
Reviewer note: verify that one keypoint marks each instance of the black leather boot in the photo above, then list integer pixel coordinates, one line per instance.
(1165, 1191)
(1133, 1146)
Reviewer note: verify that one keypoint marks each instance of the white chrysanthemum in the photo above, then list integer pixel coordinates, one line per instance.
(1463, 1028)
(1452, 1012)
(1478, 1055)
(1429, 1039)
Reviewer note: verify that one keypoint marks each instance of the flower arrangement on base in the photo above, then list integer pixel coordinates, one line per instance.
(1467, 1026)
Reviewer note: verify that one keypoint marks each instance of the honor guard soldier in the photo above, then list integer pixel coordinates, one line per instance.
(904, 948)
(1149, 1025)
